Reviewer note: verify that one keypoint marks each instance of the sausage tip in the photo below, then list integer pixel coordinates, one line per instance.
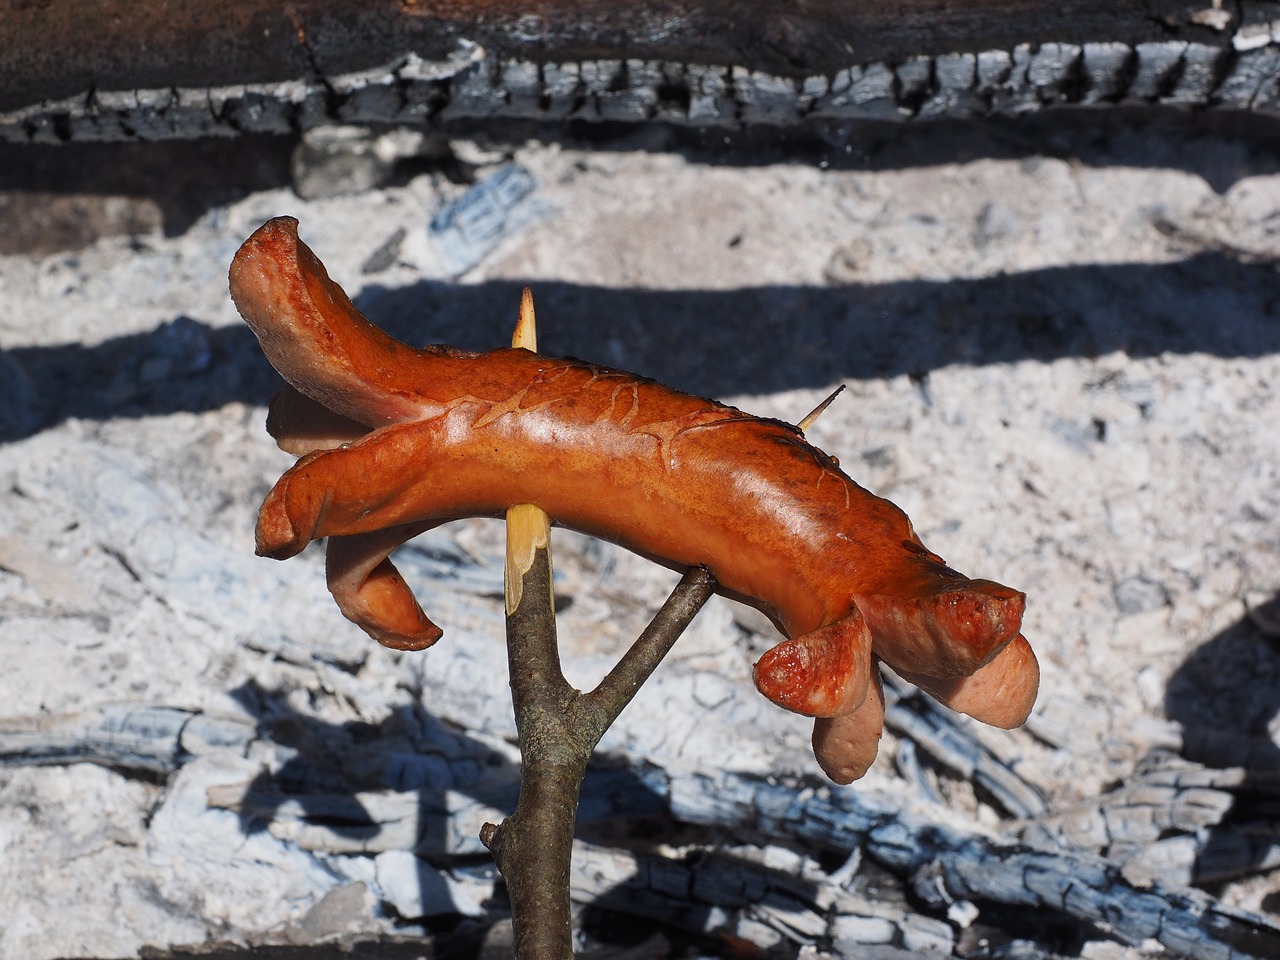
(820, 674)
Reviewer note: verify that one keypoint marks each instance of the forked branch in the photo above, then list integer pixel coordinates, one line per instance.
(558, 726)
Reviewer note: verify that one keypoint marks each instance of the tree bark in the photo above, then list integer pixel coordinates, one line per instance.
(558, 729)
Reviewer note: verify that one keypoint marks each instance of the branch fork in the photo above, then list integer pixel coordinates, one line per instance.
(558, 726)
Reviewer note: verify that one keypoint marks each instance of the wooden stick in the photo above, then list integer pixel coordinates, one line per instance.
(533, 846)
(816, 412)
(599, 708)
(557, 726)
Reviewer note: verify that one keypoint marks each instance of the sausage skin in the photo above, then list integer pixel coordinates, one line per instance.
(395, 440)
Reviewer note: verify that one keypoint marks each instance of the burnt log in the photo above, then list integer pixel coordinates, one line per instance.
(768, 885)
(111, 70)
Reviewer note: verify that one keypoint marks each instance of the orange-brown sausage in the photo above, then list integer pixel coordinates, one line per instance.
(397, 439)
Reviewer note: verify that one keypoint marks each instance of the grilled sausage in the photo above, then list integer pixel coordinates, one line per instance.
(395, 440)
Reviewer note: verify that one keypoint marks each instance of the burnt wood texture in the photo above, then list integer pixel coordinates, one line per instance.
(59, 48)
(111, 69)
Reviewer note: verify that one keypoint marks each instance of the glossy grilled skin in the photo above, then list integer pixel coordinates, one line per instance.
(438, 434)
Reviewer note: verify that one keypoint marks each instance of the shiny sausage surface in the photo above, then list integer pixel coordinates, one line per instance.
(395, 440)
